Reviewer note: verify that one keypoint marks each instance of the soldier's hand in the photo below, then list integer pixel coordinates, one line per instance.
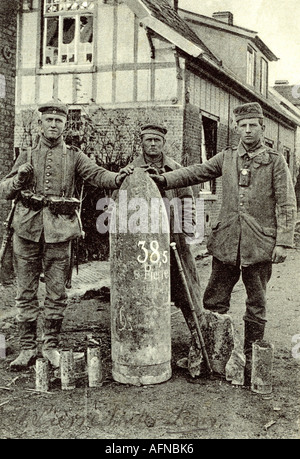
(25, 172)
(279, 254)
(159, 180)
(149, 169)
(127, 170)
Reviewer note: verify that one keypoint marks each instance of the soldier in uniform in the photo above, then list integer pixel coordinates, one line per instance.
(46, 219)
(256, 221)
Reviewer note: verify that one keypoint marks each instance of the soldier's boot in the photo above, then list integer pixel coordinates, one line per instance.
(28, 354)
(50, 350)
(253, 331)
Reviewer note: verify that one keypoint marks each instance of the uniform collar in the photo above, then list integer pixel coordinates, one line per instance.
(242, 151)
(167, 163)
(49, 144)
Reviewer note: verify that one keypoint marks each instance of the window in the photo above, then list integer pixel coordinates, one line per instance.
(264, 77)
(208, 147)
(287, 155)
(251, 66)
(269, 143)
(68, 32)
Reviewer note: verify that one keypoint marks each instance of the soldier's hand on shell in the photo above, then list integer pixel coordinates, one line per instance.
(25, 172)
(127, 170)
(150, 169)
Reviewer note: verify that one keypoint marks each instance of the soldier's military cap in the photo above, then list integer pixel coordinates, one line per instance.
(54, 108)
(250, 110)
(155, 129)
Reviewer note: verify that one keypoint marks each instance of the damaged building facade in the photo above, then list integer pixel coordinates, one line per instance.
(147, 60)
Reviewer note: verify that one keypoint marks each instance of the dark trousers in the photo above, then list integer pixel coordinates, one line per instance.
(31, 259)
(224, 277)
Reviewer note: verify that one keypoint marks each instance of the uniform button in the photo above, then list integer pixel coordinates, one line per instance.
(46, 188)
(48, 167)
(47, 181)
(48, 174)
(241, 196)
(241, 204)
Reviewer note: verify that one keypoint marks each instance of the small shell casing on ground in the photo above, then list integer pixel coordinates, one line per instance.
(67, 371)
(262, 365)
(94, 366)
(42, 375)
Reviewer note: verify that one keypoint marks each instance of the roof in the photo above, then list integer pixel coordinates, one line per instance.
(287, 91)
(164, 12)
(159, 16)
(196, 18)
(155, 13)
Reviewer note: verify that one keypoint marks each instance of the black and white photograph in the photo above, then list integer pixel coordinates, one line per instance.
(150, 222)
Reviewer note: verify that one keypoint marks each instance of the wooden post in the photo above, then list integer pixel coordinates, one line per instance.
(67, 370)
(262, 364)
(41, 375)
(94, 365)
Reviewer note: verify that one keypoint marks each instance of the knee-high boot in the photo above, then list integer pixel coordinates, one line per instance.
(50, 350)
(253, 331)
(28, 354)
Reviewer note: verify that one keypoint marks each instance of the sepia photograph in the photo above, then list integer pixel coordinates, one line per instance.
(150, 222)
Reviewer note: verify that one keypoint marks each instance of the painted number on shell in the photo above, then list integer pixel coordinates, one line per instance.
(152, 254)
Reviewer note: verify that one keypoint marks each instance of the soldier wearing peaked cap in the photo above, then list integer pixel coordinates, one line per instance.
(255, 224)
(46, 219)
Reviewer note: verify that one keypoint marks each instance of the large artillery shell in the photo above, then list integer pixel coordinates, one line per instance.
(67, 370)
(140, 285)
(42, 375)
(94, 366)
(262, 364)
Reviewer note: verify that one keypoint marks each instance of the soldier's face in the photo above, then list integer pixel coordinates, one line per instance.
(153, 144)
(250, 130)
(52, 126)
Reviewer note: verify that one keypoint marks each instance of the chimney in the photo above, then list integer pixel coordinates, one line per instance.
(224, 16)
(281, 82)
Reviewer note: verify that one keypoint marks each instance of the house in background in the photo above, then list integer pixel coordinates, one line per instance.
(149, 60)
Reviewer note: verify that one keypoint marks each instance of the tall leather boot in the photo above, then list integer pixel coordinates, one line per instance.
(50, 350)
(253, 331)
(28, 354)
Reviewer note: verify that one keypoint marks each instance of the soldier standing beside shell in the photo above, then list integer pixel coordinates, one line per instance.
(255, 224)
(46, 219)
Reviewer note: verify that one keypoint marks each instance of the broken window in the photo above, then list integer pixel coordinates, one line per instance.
(68, 32)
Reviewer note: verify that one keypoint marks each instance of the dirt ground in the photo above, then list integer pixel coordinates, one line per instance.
(179, 409)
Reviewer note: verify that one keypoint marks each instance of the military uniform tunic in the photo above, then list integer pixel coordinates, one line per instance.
(256, 215)
(41, 238)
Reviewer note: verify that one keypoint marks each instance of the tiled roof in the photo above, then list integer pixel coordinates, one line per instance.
(164, 12)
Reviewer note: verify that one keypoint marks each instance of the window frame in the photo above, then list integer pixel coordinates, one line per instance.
(251, 66)
(61, 15)
(264, 77)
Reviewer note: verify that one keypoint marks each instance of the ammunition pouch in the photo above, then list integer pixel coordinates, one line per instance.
(57, 205)
(63, 206)
(32, 201)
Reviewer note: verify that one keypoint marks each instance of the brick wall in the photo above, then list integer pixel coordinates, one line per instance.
(8, 27)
